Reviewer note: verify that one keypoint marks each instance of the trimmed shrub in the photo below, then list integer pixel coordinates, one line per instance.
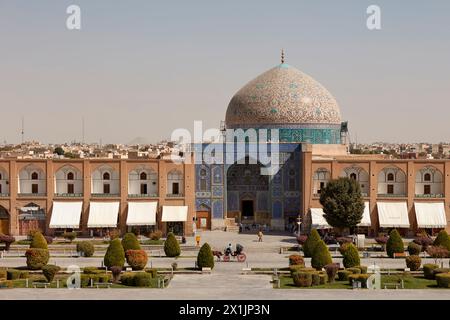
(174, 265)
(12, 274)
(354, 270)
(171, 246)
(86, 247)
(363, 269)
(302, 279)
(315, 278)
(442, 240)
(38, 241)
(382, 240)
(428, 270)
(7, 240)
(437, 252)
(423, 241)
(359, 278)
(3, 274)
(414, 249)
(323, 278)
(24, 274)
(320, 256)
(152, 271)
(394, 244)
(92, 270)
(142, 279)
(443, 280)
(331, 270)
(440, 270)
(130, 242)
(343, 275)
(70, 236)
(37, 258)
(114, 256)
(85, 280)
(310, 243)
(205, 258)
(50, 271)
(48, 239)
(116, 271)
(343, 240)
(296, 260)
(298, 268)
(413, 262)
(351, 257)
(343, 247)
(114, 234)
(6, 284)
(137, 259)
(155, 235)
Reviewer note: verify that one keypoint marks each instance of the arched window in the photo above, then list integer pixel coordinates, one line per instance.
(143, 176)
(390, 177)
(106, 176)
(203, 172)
(34, 176)
(427, 177)
(70, 176)
(353, 176)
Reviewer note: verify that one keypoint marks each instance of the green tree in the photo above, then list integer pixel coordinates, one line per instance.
(342, 202)
(351, 256)
(205, 258)
(394, 244)
(171, 246)
(310, 243)
(38, 241)
(320, 256)
(114, 256)
(130, 242)
(442, 240)
(59, 151)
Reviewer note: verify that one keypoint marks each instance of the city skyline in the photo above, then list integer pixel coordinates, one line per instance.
(145, 69)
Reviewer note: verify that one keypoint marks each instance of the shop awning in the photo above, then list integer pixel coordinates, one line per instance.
(317, 219)
(393, 214)
(430, 214)
(174, 213)
(141, 213)
(365, 221)
(66, 214)
(103, 214)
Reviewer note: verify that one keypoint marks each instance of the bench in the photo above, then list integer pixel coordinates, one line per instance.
(102, 285)
(395, 285)
(399, 255)
(40, 284)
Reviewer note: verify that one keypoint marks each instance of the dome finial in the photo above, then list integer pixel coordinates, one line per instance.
(282, 55)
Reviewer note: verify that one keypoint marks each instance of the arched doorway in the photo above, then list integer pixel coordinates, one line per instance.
(246, 190)
(203, 215)
(31, 217)
(4, 221)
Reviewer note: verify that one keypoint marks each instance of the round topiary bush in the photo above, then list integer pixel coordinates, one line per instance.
(428, 270)
(13, 274)
(331, 270)
(394, 244)
(315, 278)
(351, 256)
(302, 279)
(442, 240)
(114, 256)
(414, 249)
(443, 280)
(171, 246)
(354, 270)
(413, 262)
(70, 236)
(205, 258)
(296, 260)
(320, 256)
(37, 258)
(142, 279)
(137, 259)
(38, 241)
(155, 235)
(311, 243)
(130, 242)
(50, 271)
(440, 270)
(363, 269)
(362, 278)
(343, 275)
(86, 248)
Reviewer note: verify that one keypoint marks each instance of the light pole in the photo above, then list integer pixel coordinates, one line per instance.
(299, 222)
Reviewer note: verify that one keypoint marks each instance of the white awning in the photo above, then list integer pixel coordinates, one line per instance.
(174, 213)
(103, 214)
(365, 221)
(430, 214)
(393, 214)
(317, 219)
(66, 214)
(141, 213)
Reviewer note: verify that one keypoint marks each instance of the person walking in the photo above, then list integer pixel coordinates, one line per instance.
(260, 235)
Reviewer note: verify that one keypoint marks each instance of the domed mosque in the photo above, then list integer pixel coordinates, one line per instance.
(287, 99)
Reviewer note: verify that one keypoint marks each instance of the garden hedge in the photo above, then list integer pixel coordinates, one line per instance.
(114, 256)
(302, 279)
(138, 279)
(50, 271)
(428, 270)
(354, 270)
(343, 275)
(359, 278)
(443, 280)
(86, 247)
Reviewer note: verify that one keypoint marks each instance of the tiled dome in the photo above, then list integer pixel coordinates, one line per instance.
(282, 96)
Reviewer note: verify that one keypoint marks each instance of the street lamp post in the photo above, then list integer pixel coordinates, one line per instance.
(299, 222)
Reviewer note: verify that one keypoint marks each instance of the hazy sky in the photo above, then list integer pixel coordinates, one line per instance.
(144, 68)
